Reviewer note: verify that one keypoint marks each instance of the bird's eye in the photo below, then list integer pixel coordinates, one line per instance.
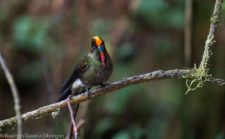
(93, 47)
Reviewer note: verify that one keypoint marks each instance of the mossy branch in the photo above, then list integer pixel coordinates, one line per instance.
(156, 75)
(202, 72)
(211, 36)
(195, 78)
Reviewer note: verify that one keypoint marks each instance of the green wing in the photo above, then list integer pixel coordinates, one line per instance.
(80, 68)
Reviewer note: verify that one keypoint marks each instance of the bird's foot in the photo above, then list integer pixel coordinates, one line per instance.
(69, 96)
(88, 93)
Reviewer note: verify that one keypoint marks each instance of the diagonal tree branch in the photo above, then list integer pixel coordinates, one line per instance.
(15, 96)
(155, 75)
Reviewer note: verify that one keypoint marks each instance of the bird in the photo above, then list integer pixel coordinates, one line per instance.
(92, 70)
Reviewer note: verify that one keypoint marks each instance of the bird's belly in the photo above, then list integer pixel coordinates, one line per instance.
(77, 86)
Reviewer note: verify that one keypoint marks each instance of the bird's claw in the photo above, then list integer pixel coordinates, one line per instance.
(88, 93)
(69, 96)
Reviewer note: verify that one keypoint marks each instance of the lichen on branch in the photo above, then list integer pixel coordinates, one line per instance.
(195, 78)
(202, 72)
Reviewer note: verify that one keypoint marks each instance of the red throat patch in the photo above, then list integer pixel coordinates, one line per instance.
(102, 58)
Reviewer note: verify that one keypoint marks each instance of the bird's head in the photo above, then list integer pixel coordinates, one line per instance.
(97, 45)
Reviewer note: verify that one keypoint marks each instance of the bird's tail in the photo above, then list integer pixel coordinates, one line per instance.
(65, 94)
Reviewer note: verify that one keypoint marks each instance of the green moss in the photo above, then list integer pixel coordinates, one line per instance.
(201, 74)
(197, 78)
(40, 116)
(1, 125)
(214, 19)
(55, 113)
(25, 118)
(11, 121)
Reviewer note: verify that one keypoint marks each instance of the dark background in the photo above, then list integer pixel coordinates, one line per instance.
(42, 40)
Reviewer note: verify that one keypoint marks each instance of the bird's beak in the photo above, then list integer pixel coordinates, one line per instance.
(101, 49)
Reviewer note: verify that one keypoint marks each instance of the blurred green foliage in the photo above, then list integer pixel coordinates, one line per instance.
(100, 27)
(31, 34)
(43, 41)
(34, 70)
(159, 13)
(163, 46)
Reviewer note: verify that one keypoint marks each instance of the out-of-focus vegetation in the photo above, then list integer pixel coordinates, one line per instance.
(43, 40)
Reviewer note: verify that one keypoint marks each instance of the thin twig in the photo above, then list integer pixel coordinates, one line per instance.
(221, 82)
(156, 75)
(80, 124)
(15, 96)
(70, 133)
(75, 132)
(210, 39)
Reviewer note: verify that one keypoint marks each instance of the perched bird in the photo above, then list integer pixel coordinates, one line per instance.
(92, 70)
